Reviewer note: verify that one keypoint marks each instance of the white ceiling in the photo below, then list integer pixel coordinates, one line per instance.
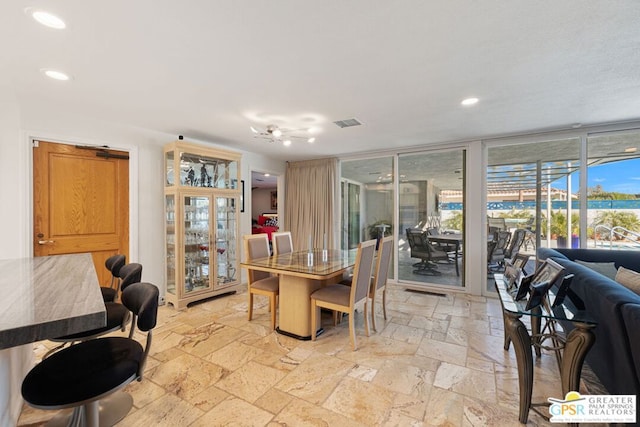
(210, 69)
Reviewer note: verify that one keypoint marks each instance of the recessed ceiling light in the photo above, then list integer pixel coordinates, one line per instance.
(47, 19)
(57, 75)
(266, 174)
(286, 142)
(469, 101)
(277, 133)
(311, 140)
(630, 150)
(576, 125)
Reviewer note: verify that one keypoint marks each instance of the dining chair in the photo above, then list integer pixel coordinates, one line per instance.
(260, 282)
(86, 375)
(379, 280)
(114, 263)
(342, 299)
(282, 242)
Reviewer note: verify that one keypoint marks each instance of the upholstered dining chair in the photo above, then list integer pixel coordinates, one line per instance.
(342, 299)
(113, 264)
(282, 242)
(85, 376)
(260, 282)
(379, 280)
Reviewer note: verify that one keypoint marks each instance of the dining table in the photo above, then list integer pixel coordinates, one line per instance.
(301, 273)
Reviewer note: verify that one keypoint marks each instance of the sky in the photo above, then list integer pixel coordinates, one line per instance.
(620, 177)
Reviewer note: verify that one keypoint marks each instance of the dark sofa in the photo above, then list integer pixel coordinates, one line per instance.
(615, 356)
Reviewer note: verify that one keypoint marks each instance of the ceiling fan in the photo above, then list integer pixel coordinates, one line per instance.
(273, 133)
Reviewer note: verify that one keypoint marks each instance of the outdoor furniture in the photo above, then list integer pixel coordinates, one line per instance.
(496, 260)
(516, 243)
(421, 248)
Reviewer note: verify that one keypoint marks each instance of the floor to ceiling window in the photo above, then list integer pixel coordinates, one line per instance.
(613, 190)
(431, 201)
(367, 193)
(532, 187)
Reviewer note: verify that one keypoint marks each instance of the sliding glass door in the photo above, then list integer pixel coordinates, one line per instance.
(431, 218)
(367, 200)
(613, 190)
(532, 200)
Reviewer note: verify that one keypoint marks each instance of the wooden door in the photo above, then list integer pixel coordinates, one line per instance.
(80, 202)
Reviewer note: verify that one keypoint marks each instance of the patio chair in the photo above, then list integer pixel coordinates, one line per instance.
(496, 261)
(428, 253)
(516, 243)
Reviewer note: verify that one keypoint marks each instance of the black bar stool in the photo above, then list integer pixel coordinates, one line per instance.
(114, 264)
(86, 374)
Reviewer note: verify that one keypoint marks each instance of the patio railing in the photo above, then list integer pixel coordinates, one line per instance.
(618, 237)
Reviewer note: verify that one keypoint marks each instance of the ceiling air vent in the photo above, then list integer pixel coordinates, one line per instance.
(347, 123)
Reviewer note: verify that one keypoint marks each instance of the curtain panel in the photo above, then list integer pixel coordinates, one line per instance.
(311, 202)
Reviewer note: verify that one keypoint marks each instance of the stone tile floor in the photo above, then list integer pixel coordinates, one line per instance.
(436, 360)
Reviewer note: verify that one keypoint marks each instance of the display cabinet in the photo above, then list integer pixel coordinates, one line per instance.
(201, 222)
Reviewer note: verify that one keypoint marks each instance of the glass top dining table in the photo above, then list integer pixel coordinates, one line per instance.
(297, 263)
(300, 276)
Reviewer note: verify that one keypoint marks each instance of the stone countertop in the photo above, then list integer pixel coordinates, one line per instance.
(48, 297)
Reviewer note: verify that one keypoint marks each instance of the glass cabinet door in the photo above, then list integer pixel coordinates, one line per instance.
(201, 171)
(170, 212)
(226, 238)
(196, 243)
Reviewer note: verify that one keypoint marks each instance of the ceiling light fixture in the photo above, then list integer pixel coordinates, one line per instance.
(273, 133)
(47, 19)
(630, 150)
(56, 75)
(469, 101)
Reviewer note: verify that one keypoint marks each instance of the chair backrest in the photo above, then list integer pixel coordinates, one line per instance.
(142, 300)
(362, 271)
(383, 262)
(282, 242)
(502, 241)
(516, 242)
(414, 238)
(256, 246)
(419, 243)
(496, 224)
(114, 263)
(130, 273)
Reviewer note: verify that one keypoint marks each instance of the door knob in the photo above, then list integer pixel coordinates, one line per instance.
(46, 242)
